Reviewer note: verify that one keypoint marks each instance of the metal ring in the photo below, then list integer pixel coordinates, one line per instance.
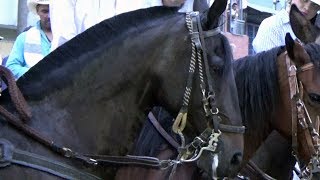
(216, 112)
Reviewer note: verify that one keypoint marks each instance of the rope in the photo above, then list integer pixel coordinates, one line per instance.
(17, 98)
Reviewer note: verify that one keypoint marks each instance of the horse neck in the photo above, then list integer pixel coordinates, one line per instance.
(256, 79)
(108, 98)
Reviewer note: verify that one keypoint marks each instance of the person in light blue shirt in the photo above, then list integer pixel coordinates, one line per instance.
(272, 30)
(31, 46)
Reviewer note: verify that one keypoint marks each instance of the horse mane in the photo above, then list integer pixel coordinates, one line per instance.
(313, 50)
(228, 55)
(150, 142)
(258, 89)
(59, 66)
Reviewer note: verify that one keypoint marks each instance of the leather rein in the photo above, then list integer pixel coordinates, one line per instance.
(206, 141)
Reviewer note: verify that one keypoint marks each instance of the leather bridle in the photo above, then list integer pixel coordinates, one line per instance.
(300, 118)
(209, 137)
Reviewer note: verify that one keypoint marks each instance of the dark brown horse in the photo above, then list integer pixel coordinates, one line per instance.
(262, 82)
(91, 94)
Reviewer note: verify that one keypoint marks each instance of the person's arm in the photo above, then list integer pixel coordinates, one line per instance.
(63, 25)
(16, 62)
(173, 3)
(267, 36)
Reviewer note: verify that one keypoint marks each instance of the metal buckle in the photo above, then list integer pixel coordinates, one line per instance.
(212, 146)
(165, 164)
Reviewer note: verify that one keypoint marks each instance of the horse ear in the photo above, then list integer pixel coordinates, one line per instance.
(217, 8)
(296, 52)
(302, 27)
(289, 45)
(200, 5)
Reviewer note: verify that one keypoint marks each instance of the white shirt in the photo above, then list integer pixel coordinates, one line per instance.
(272, 32)
(71, 17)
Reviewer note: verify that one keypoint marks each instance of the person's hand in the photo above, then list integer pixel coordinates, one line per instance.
(173, 3)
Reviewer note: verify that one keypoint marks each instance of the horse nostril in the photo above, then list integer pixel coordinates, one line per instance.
(236, 159)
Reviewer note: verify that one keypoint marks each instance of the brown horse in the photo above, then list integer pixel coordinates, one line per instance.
(92, 94)
(279, 162)
(284, 114)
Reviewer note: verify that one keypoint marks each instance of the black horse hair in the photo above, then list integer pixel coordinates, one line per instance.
(258, 88)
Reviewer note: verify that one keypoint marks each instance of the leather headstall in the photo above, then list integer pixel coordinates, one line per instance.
(301, 121)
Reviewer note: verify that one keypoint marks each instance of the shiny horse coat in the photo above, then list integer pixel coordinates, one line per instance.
(92, 93)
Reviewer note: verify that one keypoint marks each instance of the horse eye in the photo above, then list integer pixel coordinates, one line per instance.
(215, 62)
(315, 97)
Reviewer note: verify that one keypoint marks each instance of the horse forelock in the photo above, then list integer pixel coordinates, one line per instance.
(258, 89)
(313, 50)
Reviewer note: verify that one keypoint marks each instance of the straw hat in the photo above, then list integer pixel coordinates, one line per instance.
(32, 4)
(316, 1)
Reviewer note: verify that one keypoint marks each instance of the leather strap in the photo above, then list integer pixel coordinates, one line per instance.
(306, 67)
(211, 32)
(163, 132)
(146, 161)
(232, 129)
(10, 155)
(293, 85)
(264, 175)
(306, 127)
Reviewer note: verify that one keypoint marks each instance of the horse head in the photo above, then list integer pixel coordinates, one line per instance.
(219, 57)
(302, 27)
(308, 75)
(298, 66)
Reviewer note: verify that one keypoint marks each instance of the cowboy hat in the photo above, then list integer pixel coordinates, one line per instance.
(316, 1)
(32, 4)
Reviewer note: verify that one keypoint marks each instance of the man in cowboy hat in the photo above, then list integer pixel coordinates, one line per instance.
(31, 46)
